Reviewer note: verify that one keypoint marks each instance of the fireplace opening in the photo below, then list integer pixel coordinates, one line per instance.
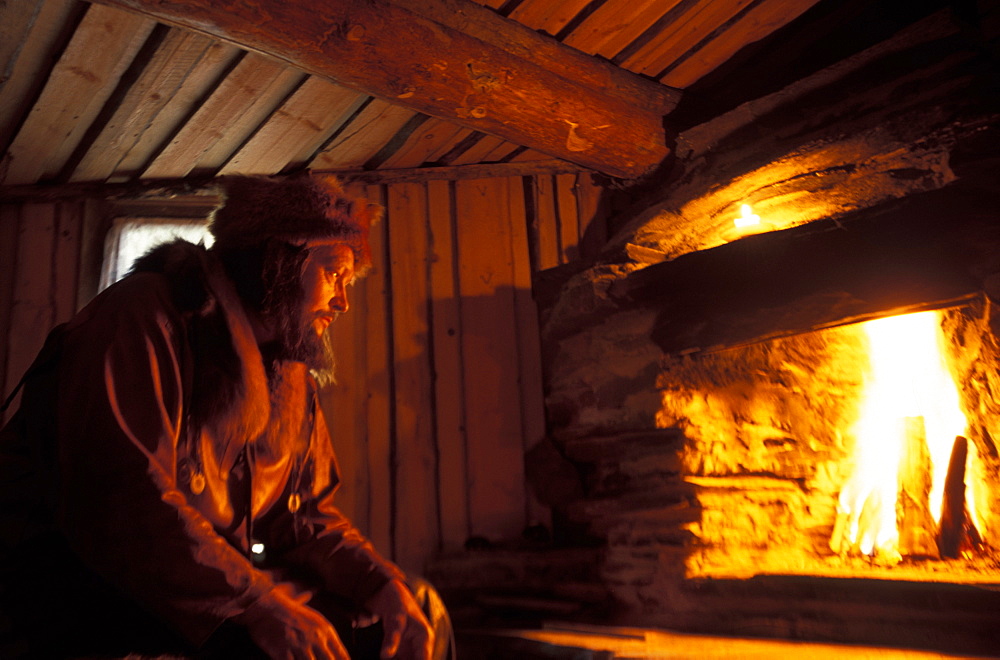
(865, 450)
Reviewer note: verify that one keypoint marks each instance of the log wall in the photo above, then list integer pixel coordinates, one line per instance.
(439, 387)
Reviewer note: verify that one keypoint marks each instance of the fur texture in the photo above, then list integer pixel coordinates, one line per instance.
(293, 209)
(228, 383)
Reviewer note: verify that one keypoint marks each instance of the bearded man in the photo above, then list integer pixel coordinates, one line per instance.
(167, 483)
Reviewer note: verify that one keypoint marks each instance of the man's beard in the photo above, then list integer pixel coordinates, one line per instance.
(296, 337)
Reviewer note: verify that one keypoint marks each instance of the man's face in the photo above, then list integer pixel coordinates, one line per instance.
(327, 272)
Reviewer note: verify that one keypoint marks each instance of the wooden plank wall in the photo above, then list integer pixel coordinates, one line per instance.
(432, 448)
(439, 386)
(46, 273)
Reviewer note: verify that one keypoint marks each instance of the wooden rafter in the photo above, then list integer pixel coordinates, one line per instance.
(456, 61)
(167, 187)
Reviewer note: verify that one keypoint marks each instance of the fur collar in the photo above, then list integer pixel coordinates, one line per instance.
(228, 386)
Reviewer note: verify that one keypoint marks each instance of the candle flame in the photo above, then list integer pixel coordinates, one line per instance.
(747, 217)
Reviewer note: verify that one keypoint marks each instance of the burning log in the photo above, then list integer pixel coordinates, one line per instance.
(913, 512)
(953, 506)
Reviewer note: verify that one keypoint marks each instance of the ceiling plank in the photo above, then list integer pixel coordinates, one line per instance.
(252, 82)
(755, 23)
(616, 24)
(30, 34)
(160, 80)
(94, 61)
(366, 134)
(424, 142)
(258, 113)
(546, 15)
(181, 105)
(684, 33)
(300, 126)
(502, 78)
(483, 151)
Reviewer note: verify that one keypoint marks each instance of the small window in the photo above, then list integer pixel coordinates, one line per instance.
(130, 238)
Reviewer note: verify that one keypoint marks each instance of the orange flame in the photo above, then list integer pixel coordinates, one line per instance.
(747, 217)
(908, 379)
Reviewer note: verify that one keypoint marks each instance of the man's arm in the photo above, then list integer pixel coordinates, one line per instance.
(328, 545)
(120, 413)
(408, 634)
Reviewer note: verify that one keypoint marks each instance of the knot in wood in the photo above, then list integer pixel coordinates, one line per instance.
(356, 33)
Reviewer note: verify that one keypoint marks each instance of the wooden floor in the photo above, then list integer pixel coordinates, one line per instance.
(587, 642)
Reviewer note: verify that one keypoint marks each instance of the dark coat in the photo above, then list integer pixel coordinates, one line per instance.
(142, 446)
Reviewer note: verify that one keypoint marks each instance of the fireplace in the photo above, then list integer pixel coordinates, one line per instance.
(793, 486)
(747, 506)
(828, 453)
(716, 391)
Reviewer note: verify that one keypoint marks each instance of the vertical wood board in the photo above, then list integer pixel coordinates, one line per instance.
(341, 408)
(528, 337)
(32, 313)
(547, 222)
(66, 259)
(415, 468)
(449, 394)
(489, 344)
(377, 384)
(592, 215)
(93, 227)
(9, 222)
(569, 220)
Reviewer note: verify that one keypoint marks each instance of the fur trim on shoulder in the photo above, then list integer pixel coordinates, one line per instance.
(227, 383)
(183, 265)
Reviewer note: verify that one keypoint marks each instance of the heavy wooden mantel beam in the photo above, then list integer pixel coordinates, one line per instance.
(454, 60)
(928, 251)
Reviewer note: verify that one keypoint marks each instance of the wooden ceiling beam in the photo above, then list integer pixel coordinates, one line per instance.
(205, 184)
(456, 61)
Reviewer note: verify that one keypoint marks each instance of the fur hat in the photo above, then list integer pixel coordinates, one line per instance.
(292, 209)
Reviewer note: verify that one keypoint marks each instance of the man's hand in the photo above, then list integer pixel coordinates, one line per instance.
(408, 635)
(285, 628)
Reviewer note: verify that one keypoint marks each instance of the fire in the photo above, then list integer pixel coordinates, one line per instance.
(909, 388)
(747, 217)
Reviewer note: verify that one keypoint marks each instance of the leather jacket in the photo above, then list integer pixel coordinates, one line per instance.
(147, 437)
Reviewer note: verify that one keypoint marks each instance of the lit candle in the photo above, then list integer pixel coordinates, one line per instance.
(747, 217)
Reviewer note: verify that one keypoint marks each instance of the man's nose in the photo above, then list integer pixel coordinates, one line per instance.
(338, 302)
